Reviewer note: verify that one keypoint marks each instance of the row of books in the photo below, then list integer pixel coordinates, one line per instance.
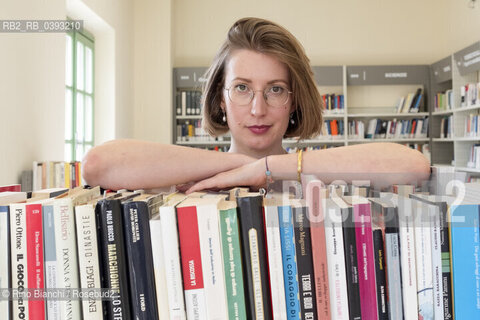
(333, 103)
(422, 147)
(56, 174)
(332, 129)
(410, 103)
(474, 157)
(379, 128)
(240, 255)
(447, 127)
(188, 103)
(470, 94)
(472, 126)
(443, 101)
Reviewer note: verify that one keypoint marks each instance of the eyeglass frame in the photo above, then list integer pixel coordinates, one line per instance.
(253, 92)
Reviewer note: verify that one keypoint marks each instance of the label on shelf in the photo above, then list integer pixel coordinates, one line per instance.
(468, 59)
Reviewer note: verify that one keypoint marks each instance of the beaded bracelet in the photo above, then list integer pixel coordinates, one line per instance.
(268, 173)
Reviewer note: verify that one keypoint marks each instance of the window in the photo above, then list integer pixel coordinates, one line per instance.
(79, 93)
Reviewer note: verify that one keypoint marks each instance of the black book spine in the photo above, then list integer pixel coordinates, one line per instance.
(254, 257)
(303, 248)
(140, 260)
(114, 268)
(446, 263)
(351, 264)
(380, 275)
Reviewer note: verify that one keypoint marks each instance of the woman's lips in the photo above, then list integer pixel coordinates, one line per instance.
(259, 129)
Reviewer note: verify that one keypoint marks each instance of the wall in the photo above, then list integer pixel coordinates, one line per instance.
(152, 70)
(32, 90)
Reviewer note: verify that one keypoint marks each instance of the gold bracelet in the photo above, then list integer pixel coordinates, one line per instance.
(299, 166)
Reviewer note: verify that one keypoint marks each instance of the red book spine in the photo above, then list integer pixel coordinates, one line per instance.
(366, 266)
(12, 188)
(36, 306)
(319, 250)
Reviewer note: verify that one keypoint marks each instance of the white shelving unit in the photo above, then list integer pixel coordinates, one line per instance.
(454, 72)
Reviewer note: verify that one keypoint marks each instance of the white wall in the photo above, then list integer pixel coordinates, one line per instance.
(32, 90)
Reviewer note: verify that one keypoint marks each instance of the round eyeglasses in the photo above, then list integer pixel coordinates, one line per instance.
(275, 95)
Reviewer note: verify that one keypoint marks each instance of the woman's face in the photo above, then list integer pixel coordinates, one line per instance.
(257, 128)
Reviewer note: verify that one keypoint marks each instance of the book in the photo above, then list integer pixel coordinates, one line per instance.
(136, 215)
(232, 263)
(336, 261)
(380, 274)
(88, 258)
(290, 274)
(254, 257)
(5, 279)
(167, 266)
(113, 257)
(464, 239)
(303, 247)
(365, 256)
(191, 259)
(407, 254)
(316, 194)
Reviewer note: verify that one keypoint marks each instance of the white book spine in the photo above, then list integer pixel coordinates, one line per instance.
(168, 221)
(212, 264)
(407, 258)
(18, 225)
(275, 264)
(4, 260)
(436, 263)
(67, 263)
(336, 262)
(89, 266)
(159, 269)
(423, 250)
(196, 305)
(392, 253)
(50, 263)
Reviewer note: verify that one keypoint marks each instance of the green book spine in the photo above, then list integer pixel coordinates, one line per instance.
(232, 264)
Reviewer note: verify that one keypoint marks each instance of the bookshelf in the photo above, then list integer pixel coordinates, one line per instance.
(347, 87)
(452, 74)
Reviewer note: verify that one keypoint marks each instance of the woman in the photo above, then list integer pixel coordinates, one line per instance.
(260, 87)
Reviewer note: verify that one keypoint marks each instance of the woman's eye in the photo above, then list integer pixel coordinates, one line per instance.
(277, 89)
(241, 88)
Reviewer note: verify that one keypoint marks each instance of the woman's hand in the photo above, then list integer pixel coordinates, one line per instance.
(249, 175)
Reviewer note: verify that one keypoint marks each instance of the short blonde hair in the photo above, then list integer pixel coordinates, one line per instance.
(268, 38)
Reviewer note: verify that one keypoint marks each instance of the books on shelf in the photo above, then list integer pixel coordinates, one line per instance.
(333, 103)
(188, 103)
(339, 254)
(416, 128)
(56, 174)
(410, 103)
(443, 101)
(470, 94)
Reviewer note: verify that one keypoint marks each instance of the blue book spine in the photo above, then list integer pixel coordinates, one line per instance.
(464, 233)
(290, 274)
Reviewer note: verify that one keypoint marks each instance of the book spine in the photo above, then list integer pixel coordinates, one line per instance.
(212, 264)
(191, 263)
(336, 263)
(305, 263)
(464, 232)
(394, 281)
(290, 274)
(18, 223)
(436, 264)
(66, 252)
(5, 279)
(36, 307)
(114, 274)
(446, 263)
(50, 260)
(254, 257)
(319, 253)
(169, 234)
(363, 233)
(160, 271)
(380, 274)
(351, 264)
(88, 262)
(423, 245)
(407, 258)
(233, 264)
(138, 246)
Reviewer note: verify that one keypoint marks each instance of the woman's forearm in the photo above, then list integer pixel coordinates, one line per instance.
(383, 164)
(133, 164)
